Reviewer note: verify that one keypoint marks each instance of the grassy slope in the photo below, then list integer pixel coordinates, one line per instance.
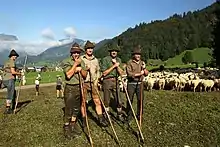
(170, 119)
(200, 55)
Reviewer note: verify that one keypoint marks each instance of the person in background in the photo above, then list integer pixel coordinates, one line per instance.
(9, 78)
(59, 87)
(37, 85)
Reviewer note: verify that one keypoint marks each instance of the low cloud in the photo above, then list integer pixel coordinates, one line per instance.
(36, 47)
(48, 34)
(32, 48)
(70, 32)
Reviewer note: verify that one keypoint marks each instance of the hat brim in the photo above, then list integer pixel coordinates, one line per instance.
(139, 53)
(76, 50)
(113, 50)
(13, 55)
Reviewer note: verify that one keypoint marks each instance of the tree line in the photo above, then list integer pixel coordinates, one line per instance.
(163, 39)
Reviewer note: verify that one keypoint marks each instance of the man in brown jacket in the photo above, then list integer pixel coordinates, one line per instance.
(136, 71)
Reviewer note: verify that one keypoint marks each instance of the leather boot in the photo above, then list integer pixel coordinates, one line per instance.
(102, 121)
(67, 132)
(8, 111)
(75, 129)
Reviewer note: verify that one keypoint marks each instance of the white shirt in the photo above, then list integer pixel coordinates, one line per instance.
(37, 82)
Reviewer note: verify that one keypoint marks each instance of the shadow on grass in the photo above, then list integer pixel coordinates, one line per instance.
(22, 105)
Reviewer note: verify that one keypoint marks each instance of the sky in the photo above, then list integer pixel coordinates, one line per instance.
(39, 24)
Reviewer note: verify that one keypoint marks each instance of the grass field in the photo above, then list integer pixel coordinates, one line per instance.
(170, 119)
(46, 77)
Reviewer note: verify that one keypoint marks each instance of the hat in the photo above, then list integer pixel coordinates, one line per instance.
(89, 45)
(114, 47)
(136, 50)
(75, 48)
(13, 53)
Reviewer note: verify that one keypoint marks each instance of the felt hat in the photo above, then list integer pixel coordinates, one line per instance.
(75, 48)
(114, 47)
(136, 50)
(89, 45)
(13, 53)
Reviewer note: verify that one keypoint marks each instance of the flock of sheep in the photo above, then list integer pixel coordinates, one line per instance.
(196, 80)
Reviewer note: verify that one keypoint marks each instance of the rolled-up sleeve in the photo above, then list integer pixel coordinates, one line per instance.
(66, 67)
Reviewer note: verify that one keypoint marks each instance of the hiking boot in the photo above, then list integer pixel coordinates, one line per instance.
(102, 121)
(67, 132)
(75, 129)
(8, 111)
(128, 119)
(84, 126)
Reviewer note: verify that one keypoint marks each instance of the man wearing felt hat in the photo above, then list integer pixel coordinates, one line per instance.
(111, 69)
(9, 77)
(136, 71)
(74, 70)
(91, 83)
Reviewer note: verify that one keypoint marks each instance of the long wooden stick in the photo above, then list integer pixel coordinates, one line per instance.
(129, 101)
(19, 89)
(90, 81)
(87, 123)
(141, 104)
(108, 117)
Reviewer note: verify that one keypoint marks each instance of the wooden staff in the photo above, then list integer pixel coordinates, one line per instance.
(19, 89)
(87, 123)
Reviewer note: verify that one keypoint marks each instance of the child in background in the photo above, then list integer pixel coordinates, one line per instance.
(59, 86)
(37, 84)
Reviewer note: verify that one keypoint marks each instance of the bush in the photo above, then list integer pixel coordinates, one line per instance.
(204, 64)
(161, 68)
(187, 58)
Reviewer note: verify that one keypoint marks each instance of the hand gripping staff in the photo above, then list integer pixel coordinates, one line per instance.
(87, 123)
(129, 101)
(104, 108)
(19, 89)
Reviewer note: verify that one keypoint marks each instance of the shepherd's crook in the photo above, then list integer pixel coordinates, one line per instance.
(87, 123)
(16, 103)
(129, 101)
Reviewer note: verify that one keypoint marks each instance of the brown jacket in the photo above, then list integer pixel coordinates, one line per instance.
(133, 68)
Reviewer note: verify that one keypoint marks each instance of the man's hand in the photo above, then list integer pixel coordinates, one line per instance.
(77, 61)
(116, 64)
(78, 69)
(142, 72)
(114, 61)
(87, 67)
(146, 72)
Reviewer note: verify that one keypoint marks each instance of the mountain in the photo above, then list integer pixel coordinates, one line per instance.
(5, 37)
(52, 55)
(101, 43)
(163, 39)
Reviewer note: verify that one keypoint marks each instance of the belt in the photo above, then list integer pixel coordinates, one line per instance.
(72, 84)
(134, 83)
(110, 78)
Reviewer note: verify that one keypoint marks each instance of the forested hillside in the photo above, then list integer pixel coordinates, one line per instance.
(163, 39)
